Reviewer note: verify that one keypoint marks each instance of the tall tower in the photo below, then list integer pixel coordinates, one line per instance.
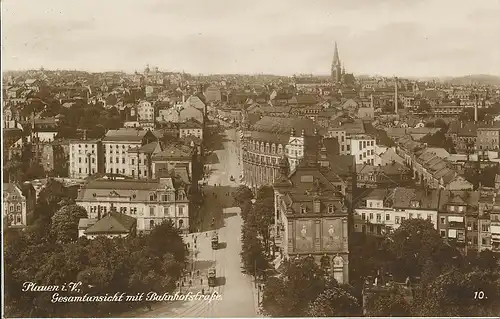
(396, 95)
(336, 66)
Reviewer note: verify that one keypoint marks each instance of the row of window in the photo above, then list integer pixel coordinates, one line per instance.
(12, 208)
(317, 208)
(397, 219)
(365, 144)
(86, 146)
(80, 160)
(256, 146)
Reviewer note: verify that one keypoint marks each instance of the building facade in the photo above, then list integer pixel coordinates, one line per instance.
(267, 141)
(85, 158)
(150, 202)
(18, 204)
(311, 218)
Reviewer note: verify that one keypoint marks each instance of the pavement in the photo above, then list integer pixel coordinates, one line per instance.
(236, 289)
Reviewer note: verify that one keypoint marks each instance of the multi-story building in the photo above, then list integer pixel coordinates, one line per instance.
(19, 204)
(140, 160)
(495, 225)
(383, 176)
(267, 141)
(353, 140)
(311, 214)
(458, 210)
(488, 139)
(363, 149)
(191, 128)
(85, 158)
(116, 145)
(146, 114)
(383, 208)
(176, 156)
(150, 202)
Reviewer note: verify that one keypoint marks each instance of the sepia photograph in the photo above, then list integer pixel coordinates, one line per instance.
(250, 159)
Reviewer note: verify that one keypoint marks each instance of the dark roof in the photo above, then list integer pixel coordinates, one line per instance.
(284, 125)
(112, 223)
(402, 197)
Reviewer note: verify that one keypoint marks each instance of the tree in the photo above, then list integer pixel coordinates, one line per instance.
(252, 252)
(391, 305)
(165, 233)
(412, 245)
(265, 192)
(64, 226)
(49, 198)
(457, 293)
(261, 217)
(289, 295)
(334, 302)
(242, 194)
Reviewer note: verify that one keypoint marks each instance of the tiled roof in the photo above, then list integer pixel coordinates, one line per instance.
(284, 125)
(402, 197)
(174, 151)
(147, 149)
(125, 135)
(112, 223)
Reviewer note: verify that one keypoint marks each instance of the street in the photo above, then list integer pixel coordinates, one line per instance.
(234, 286)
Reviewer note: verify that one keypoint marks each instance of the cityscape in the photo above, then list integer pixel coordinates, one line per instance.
(304, 189)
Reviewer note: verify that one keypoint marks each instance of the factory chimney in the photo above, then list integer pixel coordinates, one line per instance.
(371, 101)
(396, 95)
(475, 109)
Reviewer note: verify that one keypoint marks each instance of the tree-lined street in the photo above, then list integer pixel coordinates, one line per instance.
(218, 215)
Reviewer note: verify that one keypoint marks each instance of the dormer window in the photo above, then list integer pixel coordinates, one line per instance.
(415, 204)
(330, 209)
(303, 209)
(152, 197)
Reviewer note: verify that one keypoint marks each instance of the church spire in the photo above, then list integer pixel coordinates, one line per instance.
(336, 59)
(336, 65)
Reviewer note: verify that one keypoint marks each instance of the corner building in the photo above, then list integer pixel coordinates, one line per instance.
(267, 141)
(311, 216)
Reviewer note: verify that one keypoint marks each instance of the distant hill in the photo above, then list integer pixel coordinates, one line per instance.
(481, 79)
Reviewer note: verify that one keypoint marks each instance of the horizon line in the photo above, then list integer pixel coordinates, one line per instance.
(257, 73)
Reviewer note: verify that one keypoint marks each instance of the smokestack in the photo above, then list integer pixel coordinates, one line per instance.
(371, 101)
(475, 110)
(396, 95)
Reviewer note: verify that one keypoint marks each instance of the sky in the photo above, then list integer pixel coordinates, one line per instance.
(377, 37)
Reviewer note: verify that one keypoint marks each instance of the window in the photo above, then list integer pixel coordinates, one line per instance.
(123, 160)
(93, 160)
(371, 216)
(133, 161)
(363, 216)
(151, 197)
(410, 215)
(360, 157)
(443, 233)
(387, 217)
(485, 228)
(474, 226)
(181, 210)
(484, 241)
(370, 204)
(133, 173)
(110, 159)
(302, 209)
(79, 160)
(443, 220)
(330, 209)
(402, 219)
(117, 160)
(18, 208)
(151, 211)
(379, 218)
(151, 224)
(348, 147)
(371, 228)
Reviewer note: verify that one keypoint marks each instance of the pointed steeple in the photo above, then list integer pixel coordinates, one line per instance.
(336, 59)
